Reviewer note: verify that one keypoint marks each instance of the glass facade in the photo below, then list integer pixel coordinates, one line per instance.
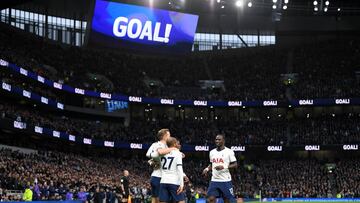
(209, 41)
(72, 31)
(64, 30)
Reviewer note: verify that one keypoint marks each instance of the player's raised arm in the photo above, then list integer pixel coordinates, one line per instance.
(155, 152)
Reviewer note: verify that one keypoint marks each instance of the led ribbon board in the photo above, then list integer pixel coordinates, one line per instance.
(116, 24)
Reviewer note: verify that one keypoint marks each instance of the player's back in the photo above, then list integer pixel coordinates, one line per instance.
(169, 167)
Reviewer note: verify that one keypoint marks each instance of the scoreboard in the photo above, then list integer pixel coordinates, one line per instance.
(137, 27)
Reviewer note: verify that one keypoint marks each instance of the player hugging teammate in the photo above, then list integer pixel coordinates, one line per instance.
(166, 159)
(167, 179)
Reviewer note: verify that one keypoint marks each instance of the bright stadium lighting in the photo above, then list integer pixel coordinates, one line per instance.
(286, 1)
(239, 3)
(327, 3)
(316, 9)
(325, 9)
(274, 1)
(315, 3)
(250, 4)
(285, 7)
(339, 9)
(218, 1)
(222, 6)
(274, 7)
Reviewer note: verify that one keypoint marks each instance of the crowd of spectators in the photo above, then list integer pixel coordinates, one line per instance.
(325, 70)
(347, 178)
(190, 131)
(251, 75)
(53, 175)
(72, 65)
(16, 80)
(321, 130)
(305, 178)
(59, 176)
(326, 130)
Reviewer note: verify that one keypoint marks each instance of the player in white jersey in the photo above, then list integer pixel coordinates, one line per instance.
(221, 160)
(155, 152)
(172, 178)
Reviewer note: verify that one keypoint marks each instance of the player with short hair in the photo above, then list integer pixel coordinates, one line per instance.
(124, 183)
(221, 160)
(156, 150)
(172, 179)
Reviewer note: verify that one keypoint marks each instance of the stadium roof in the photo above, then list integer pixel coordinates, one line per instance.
(223, 7)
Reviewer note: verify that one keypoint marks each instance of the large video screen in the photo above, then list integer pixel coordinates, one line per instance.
(123, 25)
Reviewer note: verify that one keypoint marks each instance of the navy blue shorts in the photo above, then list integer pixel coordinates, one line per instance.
(155, 186)
(221, 189)
(168, 193)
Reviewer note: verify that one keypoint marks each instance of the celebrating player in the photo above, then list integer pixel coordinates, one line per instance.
(172, 179)
(155, 152)
(221, 160)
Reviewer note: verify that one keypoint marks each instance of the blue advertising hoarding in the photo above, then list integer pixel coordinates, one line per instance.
(174, 102)
(137, 27)
(10, 124)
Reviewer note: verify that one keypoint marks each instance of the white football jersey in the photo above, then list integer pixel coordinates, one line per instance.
(153, 149)
(223, 157)
(171, 168)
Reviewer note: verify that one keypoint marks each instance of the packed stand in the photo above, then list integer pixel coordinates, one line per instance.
(142, 130)
(331, 129)
(53, 175)
(322, 130)
(60, 176)
(74, 66)
(305, 178)
(253, 75)
(179, 77)
(327, 70)
(348, 178)
(15, 80)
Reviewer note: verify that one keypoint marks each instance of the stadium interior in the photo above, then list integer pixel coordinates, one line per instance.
(279, 78)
